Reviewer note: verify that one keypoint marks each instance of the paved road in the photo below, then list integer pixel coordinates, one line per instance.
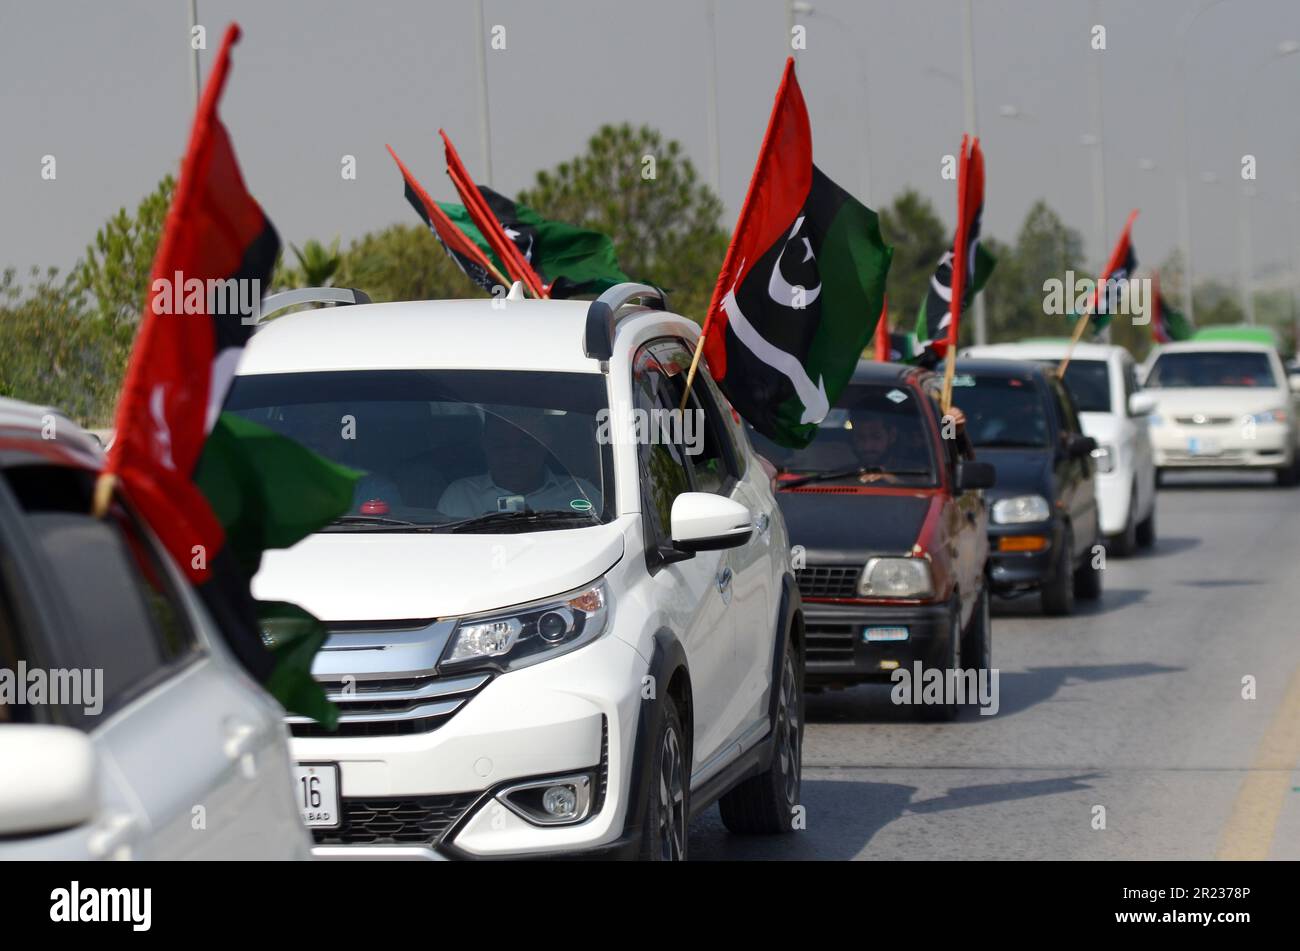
(1134, 705)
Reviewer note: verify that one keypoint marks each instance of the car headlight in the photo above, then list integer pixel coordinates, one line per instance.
(896, 578)
(1105, 457)
(528, 633)
(1268, 416)
(1020, 509)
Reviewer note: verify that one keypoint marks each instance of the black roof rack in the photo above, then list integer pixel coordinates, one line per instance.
(603, 315)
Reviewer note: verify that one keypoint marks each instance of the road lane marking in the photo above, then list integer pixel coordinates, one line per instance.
(1249, 831)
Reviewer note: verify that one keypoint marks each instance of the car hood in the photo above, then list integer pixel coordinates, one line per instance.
(1020, 471)
(1219, 400)
(854, 522)
(381, 576)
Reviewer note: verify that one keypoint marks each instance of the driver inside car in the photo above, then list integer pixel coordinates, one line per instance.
(518, 479)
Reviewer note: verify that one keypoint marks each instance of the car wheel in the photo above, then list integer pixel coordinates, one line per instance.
(977, 645)
(1286, 476)
(1087, 578)
(1057, 594)
(1162, 478)
(663, 837)
(765, 803)
(947, 711)
(1125, 543)
(1146, 530)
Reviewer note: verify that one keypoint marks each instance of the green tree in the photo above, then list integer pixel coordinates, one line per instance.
(57, 351)
(645, 194)
(920, 238)
(402, 262)
(115, 271)
(317, 265)
(1046, 248)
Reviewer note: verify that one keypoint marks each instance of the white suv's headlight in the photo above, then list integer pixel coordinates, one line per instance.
(896, 578)
(1105, 457)
(1020, 509)
(528, 633)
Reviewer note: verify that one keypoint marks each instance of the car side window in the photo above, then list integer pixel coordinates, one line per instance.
(661, 460)
(125, 616)
(709, 450)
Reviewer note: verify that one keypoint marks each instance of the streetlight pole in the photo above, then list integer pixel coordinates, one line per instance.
(484, 119)
(711, 96)
(194, 53)
(1184, 180)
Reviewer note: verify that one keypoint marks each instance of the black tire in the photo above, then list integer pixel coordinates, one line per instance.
(1057, 593)
(1087, 578)
(667, 813)
(977, 644)
(1126, 542)
(1286, 477)
(765, 803)
(946, 712)
(1146, 530)
(1161, 478)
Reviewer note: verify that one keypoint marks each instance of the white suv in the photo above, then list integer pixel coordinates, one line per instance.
(562, 615)
(1113, 410)
(1223, 404)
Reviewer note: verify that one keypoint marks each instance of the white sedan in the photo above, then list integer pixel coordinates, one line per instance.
(1223, 404)
(1102, 380)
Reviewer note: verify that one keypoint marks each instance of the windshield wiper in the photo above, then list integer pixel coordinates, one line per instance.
(377, 520)
(847, 473)
(516, 519)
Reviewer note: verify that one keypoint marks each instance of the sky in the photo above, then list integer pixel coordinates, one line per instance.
(104, 87)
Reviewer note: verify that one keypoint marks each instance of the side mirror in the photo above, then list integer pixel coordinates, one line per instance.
(702, 521)
(973, 474)
(1141, 404)
(1294, 380)
(57, 790)
(1078, 446)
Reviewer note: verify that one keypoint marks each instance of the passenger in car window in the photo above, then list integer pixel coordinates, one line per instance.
(518, 478)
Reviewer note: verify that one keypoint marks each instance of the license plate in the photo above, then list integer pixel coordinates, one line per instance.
(316, 786)
(1202, 447)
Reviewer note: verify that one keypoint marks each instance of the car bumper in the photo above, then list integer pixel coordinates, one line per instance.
(1205, 447)
(1011, 572)
(839, 653)
(436, 794)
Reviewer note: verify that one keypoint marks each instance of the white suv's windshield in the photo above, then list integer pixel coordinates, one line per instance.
(449, 450)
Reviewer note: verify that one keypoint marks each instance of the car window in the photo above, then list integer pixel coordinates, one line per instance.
(1089, 384)
(877, 427)
(439, 447)
(1002, 412)
(710, 453)
(1233, 368)
(661, 460)
(126, 621)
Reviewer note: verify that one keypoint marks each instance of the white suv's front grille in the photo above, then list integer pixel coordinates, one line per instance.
(392, 707)
(383, 675)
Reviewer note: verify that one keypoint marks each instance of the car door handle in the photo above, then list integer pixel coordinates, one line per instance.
(724, 580)
(113, 838)
(241, 740)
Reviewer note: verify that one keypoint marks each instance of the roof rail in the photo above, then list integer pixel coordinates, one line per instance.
(311, 295)
(603, 315)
